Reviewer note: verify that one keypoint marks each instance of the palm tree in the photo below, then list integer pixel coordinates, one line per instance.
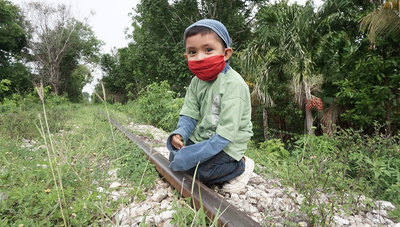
(288, 39)
(382, 21)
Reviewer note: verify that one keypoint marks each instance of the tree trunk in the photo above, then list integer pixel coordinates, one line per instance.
(265, 123)
(309, 122)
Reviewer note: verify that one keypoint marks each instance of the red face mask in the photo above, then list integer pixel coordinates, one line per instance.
(208, 68)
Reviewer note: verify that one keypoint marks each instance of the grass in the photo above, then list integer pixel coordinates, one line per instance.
(56, 180)
(61, 177)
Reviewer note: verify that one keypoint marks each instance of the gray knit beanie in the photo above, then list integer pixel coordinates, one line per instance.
(214, 25)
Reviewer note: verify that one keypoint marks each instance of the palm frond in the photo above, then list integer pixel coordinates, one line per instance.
(382, 21)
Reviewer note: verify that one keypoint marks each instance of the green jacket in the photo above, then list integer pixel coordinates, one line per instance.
(222, 106)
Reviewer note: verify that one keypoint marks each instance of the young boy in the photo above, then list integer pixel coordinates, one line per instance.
(214, 125)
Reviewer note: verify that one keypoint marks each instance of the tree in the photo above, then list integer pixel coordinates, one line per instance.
(368, 90)
(156, 51)
(383, 21)
(119, 78)
(79, 78)
(288, 40)
(59, 42)
(13, 38)
(13, 35)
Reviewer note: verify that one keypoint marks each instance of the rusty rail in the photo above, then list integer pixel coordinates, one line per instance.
(213, 204)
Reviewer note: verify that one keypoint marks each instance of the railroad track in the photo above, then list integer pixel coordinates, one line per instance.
(213, 204)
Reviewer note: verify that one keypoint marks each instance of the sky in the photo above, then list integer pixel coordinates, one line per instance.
(109, 21)
(301, 2)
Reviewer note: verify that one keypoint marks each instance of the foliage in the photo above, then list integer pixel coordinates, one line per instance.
(12, 30)
(369, 89)
(4, 83)
(343, 166)
(19, 77)
(140, 173)
(188, 216)
(288, 39)
(13, 36)
(119, 82)
(156, 51)
(83, 156)
(79, 78)
(383, 21)
(272, 152)
(158, 105)
(59, 44)
(19, 115)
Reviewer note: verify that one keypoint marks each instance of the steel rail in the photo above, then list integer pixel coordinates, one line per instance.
(213, 205)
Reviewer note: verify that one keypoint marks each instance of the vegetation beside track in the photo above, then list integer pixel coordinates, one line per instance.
(74, 168)
(84, 148)
(347, 164)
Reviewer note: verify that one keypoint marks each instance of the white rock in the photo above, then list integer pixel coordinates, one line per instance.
(367, 222)
(132, 212)
(385, 205)
(300, 199)
(167, 223)
(257, 217)
(158, 197)
(166, 214)
(253, 195)
(340, 221)
(141, 210)
(113, 173)
(157, 220)
(115, 185)
(234, 198)
(380, 212)
(149, 219)
(165, 204)
(122, 215)
(115, 195)
(272, 192)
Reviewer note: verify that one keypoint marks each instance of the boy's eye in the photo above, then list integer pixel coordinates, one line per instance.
(191, 52)
(208, 49)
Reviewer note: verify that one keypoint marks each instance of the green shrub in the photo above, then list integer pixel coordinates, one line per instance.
(157, 105)
(19, 116)
(344, 166)
(268, 153)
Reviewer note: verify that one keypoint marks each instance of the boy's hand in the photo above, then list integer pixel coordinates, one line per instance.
(176, 141)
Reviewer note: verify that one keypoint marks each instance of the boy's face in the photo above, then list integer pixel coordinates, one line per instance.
(201, 46)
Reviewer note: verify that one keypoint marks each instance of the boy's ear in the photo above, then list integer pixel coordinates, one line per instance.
(228, 53)
(185, 56)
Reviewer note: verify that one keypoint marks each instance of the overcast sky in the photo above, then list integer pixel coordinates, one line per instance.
(110, 19)
(108, 23)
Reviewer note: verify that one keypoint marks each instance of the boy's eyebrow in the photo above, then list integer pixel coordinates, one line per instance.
(205, 45)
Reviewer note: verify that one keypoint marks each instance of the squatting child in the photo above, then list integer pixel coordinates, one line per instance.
(214, 125)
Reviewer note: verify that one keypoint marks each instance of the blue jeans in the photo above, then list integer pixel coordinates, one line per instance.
(219, 168)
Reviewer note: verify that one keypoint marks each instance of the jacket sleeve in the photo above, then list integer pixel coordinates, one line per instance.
(184, 128)
(189, 156)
